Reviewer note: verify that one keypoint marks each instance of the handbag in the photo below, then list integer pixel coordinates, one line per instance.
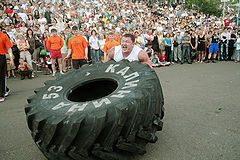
(31, 50)
(175, 44)
(38, 44)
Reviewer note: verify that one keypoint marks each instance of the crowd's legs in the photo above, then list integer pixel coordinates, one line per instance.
(168, 53)
(177, 53)
(27, 56)
(2, 75)
(224, 51)
(184, 50)
(64, 62)
(231, 50)
(95, 55)
(236, 55)
(200, 56)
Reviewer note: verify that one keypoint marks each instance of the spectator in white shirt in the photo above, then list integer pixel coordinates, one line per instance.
(94, 46)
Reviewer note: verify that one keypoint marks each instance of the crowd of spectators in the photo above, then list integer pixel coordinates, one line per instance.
(166, 31)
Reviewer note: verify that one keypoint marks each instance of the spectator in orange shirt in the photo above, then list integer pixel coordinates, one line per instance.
(78, 47)
(110, 44)
(116, 37)
(54, 45)
(5, 47)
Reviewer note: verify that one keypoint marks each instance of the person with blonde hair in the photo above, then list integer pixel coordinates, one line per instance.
(23, 46)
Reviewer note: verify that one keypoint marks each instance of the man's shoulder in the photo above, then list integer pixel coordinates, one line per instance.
(2, 34)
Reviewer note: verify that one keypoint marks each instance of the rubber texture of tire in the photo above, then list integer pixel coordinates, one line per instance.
(112, 130)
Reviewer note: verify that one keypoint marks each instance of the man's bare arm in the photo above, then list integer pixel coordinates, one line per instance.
(86, 53)
(143, 58)
(9, 50)
(110, 55)
(68, 55)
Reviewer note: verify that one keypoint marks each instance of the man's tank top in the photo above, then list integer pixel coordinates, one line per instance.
(118, 56)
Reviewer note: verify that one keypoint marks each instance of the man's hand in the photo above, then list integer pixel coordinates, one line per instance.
(86, 57)
(109, 55)
(65, 58)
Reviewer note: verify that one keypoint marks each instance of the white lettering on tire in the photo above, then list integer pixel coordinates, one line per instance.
(99, 104)
(50, 96)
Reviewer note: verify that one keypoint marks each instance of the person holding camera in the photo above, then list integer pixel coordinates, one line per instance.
(24, 69)
(177, 47)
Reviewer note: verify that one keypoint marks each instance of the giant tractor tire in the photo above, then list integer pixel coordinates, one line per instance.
(104, 111)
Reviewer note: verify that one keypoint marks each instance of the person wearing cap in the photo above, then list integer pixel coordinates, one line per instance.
(78, 47)
(5, 47)
(54, 45)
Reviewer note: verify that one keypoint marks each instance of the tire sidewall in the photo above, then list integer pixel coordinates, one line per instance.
(62, 86)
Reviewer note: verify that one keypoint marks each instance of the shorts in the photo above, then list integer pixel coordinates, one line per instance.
(77, 63)
(213, 48)
(9, 67)
(56, 54)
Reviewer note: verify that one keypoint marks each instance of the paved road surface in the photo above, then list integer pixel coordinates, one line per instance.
(194, 128)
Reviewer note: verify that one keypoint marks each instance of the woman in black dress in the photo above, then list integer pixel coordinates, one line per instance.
(193, 44)
(201, 45)
(231, 42)
(155, 42)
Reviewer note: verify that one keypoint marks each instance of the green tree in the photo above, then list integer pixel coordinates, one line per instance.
(205, 6)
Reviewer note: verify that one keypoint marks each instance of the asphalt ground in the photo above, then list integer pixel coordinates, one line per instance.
(202, 115)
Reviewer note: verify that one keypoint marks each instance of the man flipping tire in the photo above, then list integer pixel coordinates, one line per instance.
(107, 111)
(129, 51)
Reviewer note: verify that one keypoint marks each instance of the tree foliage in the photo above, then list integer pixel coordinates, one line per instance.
(206, 6)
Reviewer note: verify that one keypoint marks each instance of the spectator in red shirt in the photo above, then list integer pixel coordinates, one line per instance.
(9, 11)
(227, 22)
(162, 59)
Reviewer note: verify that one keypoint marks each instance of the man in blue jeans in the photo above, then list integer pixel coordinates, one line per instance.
(186, 47)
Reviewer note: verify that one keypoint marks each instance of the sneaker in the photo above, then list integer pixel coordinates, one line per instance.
(7, 93)
(213, 61)
(2, 99)
(172, 62)
(201, 62)
(207, 61)
(61, 72)
(53, 75)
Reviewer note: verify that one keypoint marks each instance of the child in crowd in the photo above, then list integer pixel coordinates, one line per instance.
(162, 59)
(49, 64)
(155, 60)
(24, 69)
(149, 50)
(9, 67)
